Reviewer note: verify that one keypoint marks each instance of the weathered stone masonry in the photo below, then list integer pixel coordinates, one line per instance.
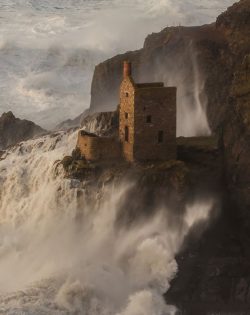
(95, 148)
(147, 126)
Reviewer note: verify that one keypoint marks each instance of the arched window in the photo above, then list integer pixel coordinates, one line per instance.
(126, 134)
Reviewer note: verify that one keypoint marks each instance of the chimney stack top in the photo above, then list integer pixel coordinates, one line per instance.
(127, 69)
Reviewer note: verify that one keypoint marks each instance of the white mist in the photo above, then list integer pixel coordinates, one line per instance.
(61, 257)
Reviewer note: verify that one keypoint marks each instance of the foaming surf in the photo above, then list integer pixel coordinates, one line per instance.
(59, 255)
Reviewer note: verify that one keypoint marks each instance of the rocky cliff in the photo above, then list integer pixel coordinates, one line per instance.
(220, 54)
(14, 130)
(214, 272)
(102, 124)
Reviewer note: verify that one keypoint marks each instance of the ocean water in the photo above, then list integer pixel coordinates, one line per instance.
(49, 48)
(59, 256)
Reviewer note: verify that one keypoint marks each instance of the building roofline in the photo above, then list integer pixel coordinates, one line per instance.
(84, 133)
(149, 84)
(156, 88)
(88, 134)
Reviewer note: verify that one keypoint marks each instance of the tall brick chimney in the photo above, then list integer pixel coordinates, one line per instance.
(127, 69)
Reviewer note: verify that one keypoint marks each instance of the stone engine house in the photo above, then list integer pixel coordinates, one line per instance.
(147, 124)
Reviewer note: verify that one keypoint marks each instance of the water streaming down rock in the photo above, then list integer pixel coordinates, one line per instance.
(64, 256)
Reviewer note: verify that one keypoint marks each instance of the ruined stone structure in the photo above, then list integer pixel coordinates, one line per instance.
(95, 148)
(147, 125)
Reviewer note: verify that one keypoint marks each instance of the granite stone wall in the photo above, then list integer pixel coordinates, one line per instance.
(95, 148)
(155, 123)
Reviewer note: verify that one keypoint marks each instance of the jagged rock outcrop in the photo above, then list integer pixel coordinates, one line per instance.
(102, 124)
(69, 123)
(14, 130)
(72, 123)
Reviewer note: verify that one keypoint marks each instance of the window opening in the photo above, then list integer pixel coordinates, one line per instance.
(126, 133)
(149, 119)
(160, 136)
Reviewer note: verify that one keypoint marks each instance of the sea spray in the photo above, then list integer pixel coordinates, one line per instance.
(58, 256)
(192, 100)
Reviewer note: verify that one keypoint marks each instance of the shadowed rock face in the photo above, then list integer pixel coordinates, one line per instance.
(14, 130)
(214, 272)
(235, 125)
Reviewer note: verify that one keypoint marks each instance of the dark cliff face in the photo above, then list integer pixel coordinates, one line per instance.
(14, 130)
(184, 56)
(235, 125)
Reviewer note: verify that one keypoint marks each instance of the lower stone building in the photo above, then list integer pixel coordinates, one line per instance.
(98, 148)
